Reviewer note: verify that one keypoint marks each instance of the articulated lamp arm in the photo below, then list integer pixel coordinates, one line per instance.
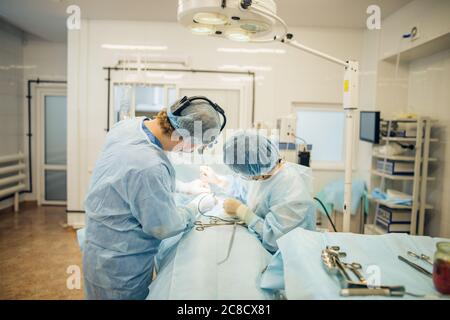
(350, 104)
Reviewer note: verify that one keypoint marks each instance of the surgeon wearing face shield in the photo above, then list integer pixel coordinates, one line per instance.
(271, 196)
(130, 206)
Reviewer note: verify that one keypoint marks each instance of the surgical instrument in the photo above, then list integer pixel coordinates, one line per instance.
(230, 246)
(201, 226)
(386, 291)
(333, 265)
(415, 266)
(349, 292)
(422, 257)
(331, 259)
(216, 218)
(355, 267)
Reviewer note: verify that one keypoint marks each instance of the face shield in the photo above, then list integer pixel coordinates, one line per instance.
(198, 121)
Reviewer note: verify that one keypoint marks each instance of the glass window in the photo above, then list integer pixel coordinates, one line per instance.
(55, 185)
(55, 130)
(172, 96)
(149, 99)
(142, 100)
(323, 129)
(123, 97)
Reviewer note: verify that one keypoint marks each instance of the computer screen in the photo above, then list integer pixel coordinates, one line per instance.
(369, 129)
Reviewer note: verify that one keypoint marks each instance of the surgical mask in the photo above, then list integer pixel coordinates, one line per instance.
(264, 177)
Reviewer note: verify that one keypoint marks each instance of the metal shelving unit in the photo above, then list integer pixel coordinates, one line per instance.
(419, 180)
(400, 158)
(397, 177)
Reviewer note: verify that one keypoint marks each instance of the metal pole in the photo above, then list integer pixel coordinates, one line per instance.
(109, 98)
(315, 52)
(350, 104)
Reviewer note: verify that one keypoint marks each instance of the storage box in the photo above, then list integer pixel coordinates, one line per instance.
(394, 215)
(393, 227)
(395, 167)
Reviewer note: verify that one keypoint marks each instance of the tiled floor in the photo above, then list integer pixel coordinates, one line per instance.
(36, 250)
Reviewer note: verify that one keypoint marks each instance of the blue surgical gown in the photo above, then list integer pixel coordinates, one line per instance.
(281, 203)
(129, 209)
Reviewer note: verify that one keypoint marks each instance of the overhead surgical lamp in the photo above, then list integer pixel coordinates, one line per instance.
(257, 21)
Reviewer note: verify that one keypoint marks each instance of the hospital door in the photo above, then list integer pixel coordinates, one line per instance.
(53, 148)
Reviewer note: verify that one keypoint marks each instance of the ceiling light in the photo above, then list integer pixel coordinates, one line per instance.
(210, 18)
(252, 51)
(133, 47)
(202, 29)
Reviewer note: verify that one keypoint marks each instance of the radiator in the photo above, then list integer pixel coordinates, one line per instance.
(12, 177)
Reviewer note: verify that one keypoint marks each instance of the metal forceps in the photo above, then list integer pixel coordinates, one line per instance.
(201, 226)
(422, 257)
(355, 268)
(230, 245)
(213, 222)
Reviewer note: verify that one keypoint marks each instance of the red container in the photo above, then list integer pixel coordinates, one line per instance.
(441, 268)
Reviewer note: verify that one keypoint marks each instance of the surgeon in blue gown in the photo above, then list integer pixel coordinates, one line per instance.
(270, 195)
(130, 206)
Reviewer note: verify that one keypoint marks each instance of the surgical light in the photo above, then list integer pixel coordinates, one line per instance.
(257, 21)
(202, 29)
(230, 19)
(254, 26)
(210, 18)
(237, 34)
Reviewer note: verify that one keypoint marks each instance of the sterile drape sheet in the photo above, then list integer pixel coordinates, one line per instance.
(296, 269)
(188, 265)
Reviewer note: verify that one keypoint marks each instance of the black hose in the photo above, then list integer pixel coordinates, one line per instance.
(326, 212)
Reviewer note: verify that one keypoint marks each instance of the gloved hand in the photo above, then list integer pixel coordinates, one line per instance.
(208, 175)
(194, 187)
(204, 202)
(237, 208)
(231, 205)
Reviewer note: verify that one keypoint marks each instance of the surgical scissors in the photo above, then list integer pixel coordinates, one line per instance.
(422, 257)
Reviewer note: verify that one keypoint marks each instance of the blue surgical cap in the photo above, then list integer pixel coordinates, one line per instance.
(250, 154)
(199, 122)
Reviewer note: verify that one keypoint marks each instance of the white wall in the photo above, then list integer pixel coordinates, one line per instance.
(418, 85)
(429, 94)
(48, 58)
(11, 82)
(421, 85)
(45, 61)
(367, 96)
(294, 77)
(431, 17)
